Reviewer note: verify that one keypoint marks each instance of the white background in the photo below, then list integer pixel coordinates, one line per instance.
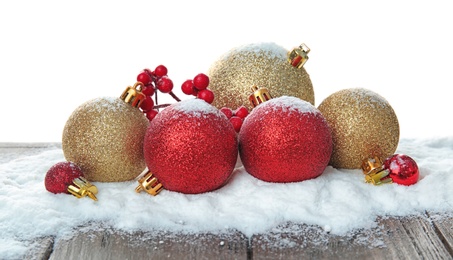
(55, 55)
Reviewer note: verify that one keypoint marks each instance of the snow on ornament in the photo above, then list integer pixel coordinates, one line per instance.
(267, 65)
(285, 139)
(191, 147)
(363, 125)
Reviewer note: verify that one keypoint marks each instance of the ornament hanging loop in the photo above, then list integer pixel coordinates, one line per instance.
(298, 56)
(259, 96)
(150, 184)
(82, 187)
(133, 95)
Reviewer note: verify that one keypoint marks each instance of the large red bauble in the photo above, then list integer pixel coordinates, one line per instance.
(60, 176)
(285, 139)
(191, 147)
(403, 169)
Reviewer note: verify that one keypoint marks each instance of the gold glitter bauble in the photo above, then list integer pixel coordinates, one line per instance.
(264, 65)
(104, 136)
(363, 125)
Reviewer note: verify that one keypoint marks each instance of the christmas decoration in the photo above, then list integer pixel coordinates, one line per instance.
(285, 139)
(158, 81)
(398, 168)
(104, 136)
(149, 183)
(191, 147)
(67, 177)
(261, 64)
(363, 125)
(236, 117)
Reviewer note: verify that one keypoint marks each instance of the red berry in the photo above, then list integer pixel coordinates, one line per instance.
(147, 104)
(237, 123)
(241, 112)
(201, 81)
(151, 114)
(165, 85)
(160, 71)
(187, 87)
(227, 111)
(144, 78)
(206, 94)
(195, 92)
(148, 90)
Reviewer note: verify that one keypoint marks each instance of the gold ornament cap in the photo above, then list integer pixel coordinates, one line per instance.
(298, 56)
(133, 95)
(82, 187)
(149, 184)
(259, 96)
(374, 171)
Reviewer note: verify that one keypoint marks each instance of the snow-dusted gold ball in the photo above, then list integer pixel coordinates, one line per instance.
(104, 136)
(263, 65)
(363, 125)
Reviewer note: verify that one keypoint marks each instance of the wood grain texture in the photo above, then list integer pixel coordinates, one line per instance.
(40, 249)
(394, 238)
(111, 244)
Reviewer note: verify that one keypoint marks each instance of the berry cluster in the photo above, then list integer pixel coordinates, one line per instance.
(152, 81)
(236, 117)
(159, 80)
(198, 86)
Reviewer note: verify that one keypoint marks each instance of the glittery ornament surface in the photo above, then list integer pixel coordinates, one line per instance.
(403, 169)
(104, 136)
(363, 125)
(191, 147)
(60, 176)
(262, 64)
(285, 140)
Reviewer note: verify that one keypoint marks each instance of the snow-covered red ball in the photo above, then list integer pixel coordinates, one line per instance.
(61, 175)
(284, 140)
(191, 147)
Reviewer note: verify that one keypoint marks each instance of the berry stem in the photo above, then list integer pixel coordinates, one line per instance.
(161, 106)
(174, 96)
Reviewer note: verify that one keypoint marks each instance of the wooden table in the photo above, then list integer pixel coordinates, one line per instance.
(428, 236)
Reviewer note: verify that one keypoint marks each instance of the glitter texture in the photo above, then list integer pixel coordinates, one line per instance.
(363, 125)
(60, 176)
(104, 136)
(285, 139)
(264, 65)
(191, 147)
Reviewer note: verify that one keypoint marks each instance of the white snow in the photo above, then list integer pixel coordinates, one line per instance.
(338, 201)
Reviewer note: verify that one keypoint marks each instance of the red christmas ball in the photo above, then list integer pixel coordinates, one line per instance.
(191, 147)
(284, 140)
(60, 176)
(403, 169)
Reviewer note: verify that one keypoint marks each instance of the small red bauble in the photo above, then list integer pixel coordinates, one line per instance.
(60, 176)
(284, 140)
(191, 147)
(402, 169)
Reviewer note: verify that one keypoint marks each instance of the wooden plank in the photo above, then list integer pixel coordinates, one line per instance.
(12, 151)
(443, 224)
(406, 238)
(40, 249)
(111, 244)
